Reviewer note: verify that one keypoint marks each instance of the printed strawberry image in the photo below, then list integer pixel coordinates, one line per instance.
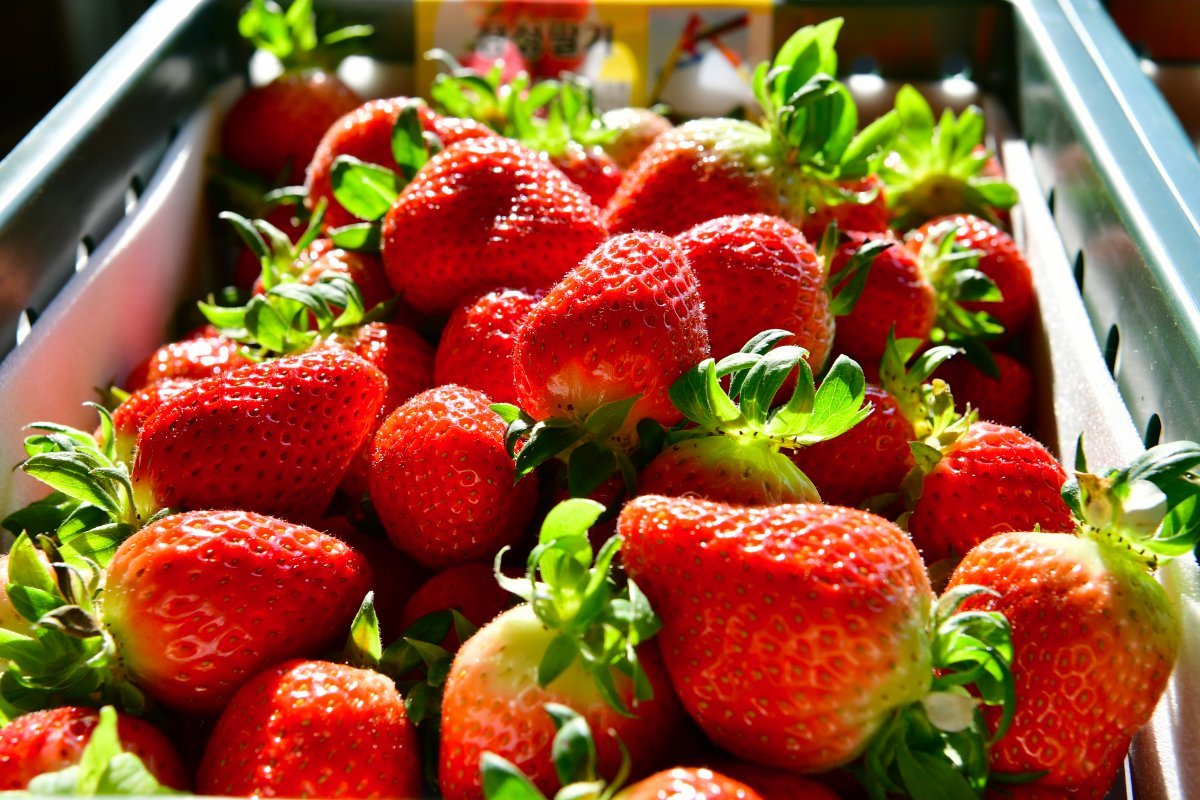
(1095, 636)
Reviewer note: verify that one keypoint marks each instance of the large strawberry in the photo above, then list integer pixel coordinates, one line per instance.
(1095, 636)
(803, 635)
(578, 641)
(313, 729)
(476, 348)
(441, 479)
(803, 158)
(273, 130)
(50, 741)
(274, 437)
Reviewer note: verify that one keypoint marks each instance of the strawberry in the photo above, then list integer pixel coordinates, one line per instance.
(192, 359)
(862, 208)
(484, 213)
(689, 783)
(897, 296)
(365, 269)
(273, 130)
(247, 270)
(128, 418)
(733, 451)
(636, 128)
(470, 589)
(366, 134)
(476, 349)
(1006, 399)
(404, 358)
(780, 666)
(999, 260)
(802, 160)
(441, 479)
(758, 272)
(773, 784)
(1095, 637)
(577, 644)
(49, 741)
(623, 324)
(589, 168)
(313, 729)
(942, 168)
(303, 416)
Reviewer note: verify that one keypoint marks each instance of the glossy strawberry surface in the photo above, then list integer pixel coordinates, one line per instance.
(195, 358)
(314, 729)
(481, 214)
(1007, 399)
(726, 470)
(592, 170)
(637, 127)
(870, 216)
(476, 349)
(133, 412)
(365, 269)
(790, 632)
(689, 783)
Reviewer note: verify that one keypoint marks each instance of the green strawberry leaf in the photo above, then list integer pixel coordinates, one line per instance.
(838, 405)
(503, 781)
(364, 646)
(408, 140)
(560, 654)
(573, 750)
(365, 190)
(606, 420)
(589, 465)
(41, 516)
(364, 237)
(853, 277)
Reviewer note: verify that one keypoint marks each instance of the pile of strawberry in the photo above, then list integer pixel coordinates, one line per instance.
(681, 498)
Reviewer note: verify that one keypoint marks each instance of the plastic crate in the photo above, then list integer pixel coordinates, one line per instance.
(1099, 159)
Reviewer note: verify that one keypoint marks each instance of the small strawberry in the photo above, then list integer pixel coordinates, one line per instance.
(322, 257)
(441, 479)
(999, 260)
(860, 206)
(802, 636)
(273, 130)
(313, 729)
(803, 159)
(476, 349)
(636, 129)
(580, 642)
(1095, 636)
(274, 437)
(469, 589)
(942, 168)
(50, 741)
(189, 359)
(1006, 398)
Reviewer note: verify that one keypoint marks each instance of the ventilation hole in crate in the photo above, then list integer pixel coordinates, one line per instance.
(172, 132)
(956, 65)
(1077, 270)
(25, 324)
(1051, 199)
(83, 253)
(1112, 350)
(132, 194)
(1153, 431)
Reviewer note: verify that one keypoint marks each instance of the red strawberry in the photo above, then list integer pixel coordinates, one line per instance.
(191, 358)
(1000, 260)
(627, 321)
(477, 343)
(365, 269)
(49, 741)
(274, 437)
(441, 479)
(710, 168)
(189, 639)
(689, 783)
(485, 213)
(366, 134)
(897, 296)
(133, 412)
(758, 272)
(470, 589)
(404, 358)
(1095, 636)
(247, 270)
(1007, 399)
(991, 479)
(591, 169)
(313, 729)
(791, 625)
(870, 459)
(636, 129)
(774, 784)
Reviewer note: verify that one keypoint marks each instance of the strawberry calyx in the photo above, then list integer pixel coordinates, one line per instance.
(573, 751)
(904, 373)
(813, 120)
(939, 168)
(275, 251)
(938, 745)
(852, 278)
(1147, 507)
(572, 590)
(104, 768)
(291, 36)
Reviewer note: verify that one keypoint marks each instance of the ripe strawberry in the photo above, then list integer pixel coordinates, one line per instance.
(862, 209)
(791, 166)
(247, 270)
(990, 479)
(404, 358)
(477, 343)
(313, 729)
(1007, 399)
(365, 269)
(366, 134)
(191, 358)
(773, 784)
(441, 479)
(555, 652)
(689, 783)
(1095, 637)
(1000, 260)
(636, 129)
(896, 297)
(274, 437)
(942, 168)
(485, 213)
(470, 589)
(49, 741)
(591, 169)
(758, 272)
(627, 321)
(128, 418)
